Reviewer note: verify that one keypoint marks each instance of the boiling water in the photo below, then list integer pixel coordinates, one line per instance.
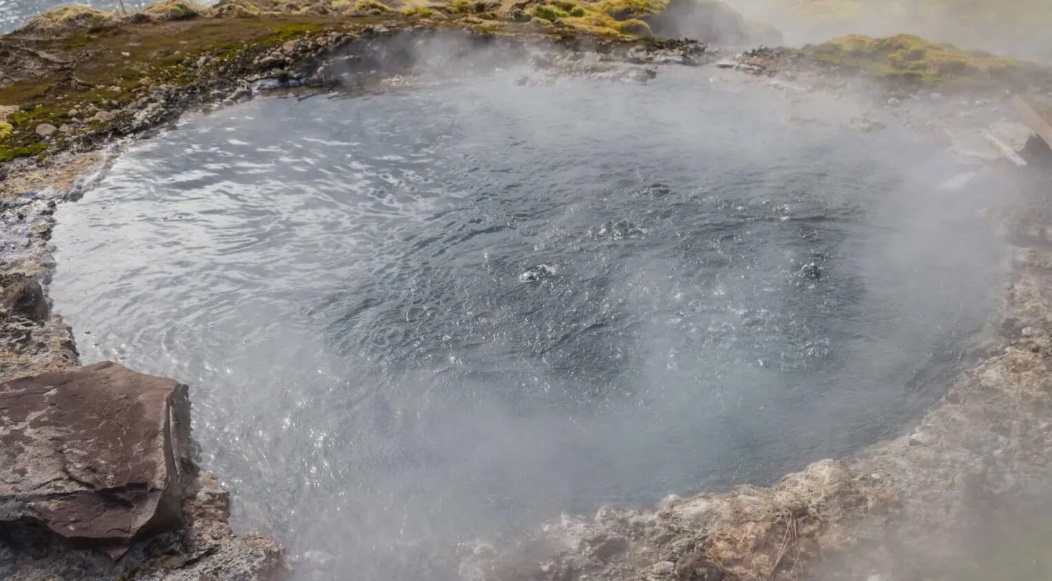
(413, 319)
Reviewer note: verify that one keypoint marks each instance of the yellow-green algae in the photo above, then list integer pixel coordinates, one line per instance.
(911, 59)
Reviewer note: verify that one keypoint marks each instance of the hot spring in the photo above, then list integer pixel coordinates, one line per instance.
(418, 318)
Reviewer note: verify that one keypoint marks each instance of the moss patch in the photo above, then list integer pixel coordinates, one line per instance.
(911, 59)
(117, 64)
(95, 61)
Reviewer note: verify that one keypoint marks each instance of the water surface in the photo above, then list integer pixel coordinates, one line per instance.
(411, 319)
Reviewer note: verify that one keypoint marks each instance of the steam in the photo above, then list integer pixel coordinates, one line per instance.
(376, 440)
(1016, 27)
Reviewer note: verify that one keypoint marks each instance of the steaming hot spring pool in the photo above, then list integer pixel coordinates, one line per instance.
(414, 319)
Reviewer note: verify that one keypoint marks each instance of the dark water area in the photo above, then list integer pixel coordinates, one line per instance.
(409, 320)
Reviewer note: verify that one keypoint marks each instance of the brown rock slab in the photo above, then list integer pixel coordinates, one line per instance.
(96, 455)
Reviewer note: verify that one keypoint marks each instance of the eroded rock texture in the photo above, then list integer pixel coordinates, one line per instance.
(97, 455)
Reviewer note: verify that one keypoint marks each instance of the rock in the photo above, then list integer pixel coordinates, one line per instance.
(65, 128)
(894, 102)
(241, 94)
(811, 271)
(23, 297)
(662, 570)
(104, 116)
(1011, 139)
(264, 85)
(97, 456)
(696, 567)
(147, 115)
(605, 547)
(46, 129)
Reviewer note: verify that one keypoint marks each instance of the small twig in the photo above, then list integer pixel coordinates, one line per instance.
(124, 11)
(787, 538)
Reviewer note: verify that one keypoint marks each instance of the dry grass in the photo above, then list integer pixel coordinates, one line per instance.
(173, 10)
(909, 58)
(71, 18)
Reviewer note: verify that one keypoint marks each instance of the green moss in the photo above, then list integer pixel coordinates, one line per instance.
(8, 154)
(632, 9)
(289, 31)
(912, 59)
(549, 12)
(635, 27)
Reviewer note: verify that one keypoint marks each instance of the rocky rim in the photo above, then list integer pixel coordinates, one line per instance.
(67, 99)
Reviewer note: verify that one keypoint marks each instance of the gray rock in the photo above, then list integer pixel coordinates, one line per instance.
(95, 455)
(23, 297)
(661, 571)
(104, 116)
(46, 129)
(264, 85)
(1010, 138)
(605, 547)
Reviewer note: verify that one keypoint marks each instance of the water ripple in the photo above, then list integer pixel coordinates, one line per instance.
(714, 298)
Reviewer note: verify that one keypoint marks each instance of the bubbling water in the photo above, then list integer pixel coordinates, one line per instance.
(408, 320)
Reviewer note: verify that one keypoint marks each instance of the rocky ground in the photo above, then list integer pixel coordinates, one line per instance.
(73, 88)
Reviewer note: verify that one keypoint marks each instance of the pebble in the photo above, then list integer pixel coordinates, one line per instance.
(104, 116)
(46, 129)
